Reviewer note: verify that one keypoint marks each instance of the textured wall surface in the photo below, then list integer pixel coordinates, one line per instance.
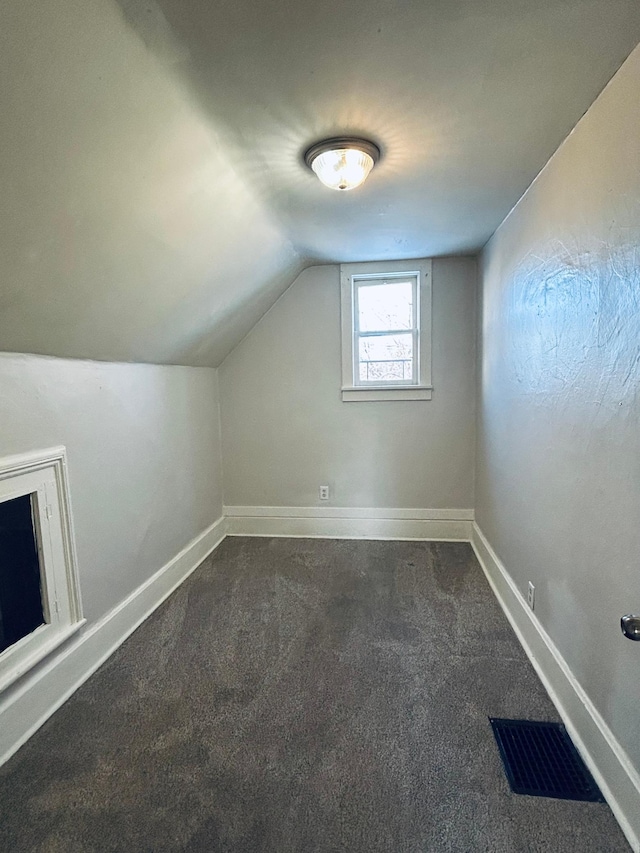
(143, 452)
(558, 476)
(286, 429)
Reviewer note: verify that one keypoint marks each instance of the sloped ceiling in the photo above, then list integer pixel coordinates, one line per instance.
(154, 203)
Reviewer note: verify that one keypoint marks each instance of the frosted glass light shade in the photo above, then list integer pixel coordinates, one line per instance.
(342, 168)
(342, 164)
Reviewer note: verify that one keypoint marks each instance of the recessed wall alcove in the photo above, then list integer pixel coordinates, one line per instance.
(39, 594)
(21, 599)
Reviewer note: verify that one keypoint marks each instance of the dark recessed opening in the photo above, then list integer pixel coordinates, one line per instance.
(21, 610)
(540, 760)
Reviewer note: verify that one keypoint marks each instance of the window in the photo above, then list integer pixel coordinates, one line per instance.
(39, 595)
(386, 331)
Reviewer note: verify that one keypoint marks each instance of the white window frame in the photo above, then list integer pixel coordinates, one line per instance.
(44, 476)
(353, 388)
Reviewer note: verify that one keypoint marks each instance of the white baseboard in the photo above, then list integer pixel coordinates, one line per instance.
(619, 781)
(325, 522)
(34, 699)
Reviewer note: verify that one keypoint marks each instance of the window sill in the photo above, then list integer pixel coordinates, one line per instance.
(18, 659)
(366, 394)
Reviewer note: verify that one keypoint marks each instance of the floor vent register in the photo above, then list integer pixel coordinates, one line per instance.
(540, 760)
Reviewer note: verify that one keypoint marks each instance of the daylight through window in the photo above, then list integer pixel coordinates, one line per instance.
(386, 334)
(386, 330)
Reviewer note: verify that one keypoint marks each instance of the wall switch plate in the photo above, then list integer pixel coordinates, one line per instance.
(324, 493)
(531, 595)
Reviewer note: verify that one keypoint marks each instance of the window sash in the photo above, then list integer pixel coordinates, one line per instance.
(358, 282)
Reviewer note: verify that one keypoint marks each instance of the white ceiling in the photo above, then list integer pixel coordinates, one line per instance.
(154, 200)
(467, 99)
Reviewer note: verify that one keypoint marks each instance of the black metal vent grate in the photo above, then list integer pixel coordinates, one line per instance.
(540, 760)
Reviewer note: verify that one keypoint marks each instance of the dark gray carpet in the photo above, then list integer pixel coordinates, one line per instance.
(300, 695)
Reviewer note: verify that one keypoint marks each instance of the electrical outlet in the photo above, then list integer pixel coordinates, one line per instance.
(531, 595)
(324, 493)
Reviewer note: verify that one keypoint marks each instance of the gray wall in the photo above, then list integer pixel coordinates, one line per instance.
(123, 223)
(558, 452)
(285, 429)
(143, 452)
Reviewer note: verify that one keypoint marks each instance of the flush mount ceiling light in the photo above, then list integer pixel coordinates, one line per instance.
(342, 163)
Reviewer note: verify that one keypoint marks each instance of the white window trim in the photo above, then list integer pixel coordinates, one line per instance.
(422, 389)
(44, 474)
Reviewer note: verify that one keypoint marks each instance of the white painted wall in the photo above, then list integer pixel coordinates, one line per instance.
(285, 429)
(558, 451)
(123, 222)
(143, 452)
